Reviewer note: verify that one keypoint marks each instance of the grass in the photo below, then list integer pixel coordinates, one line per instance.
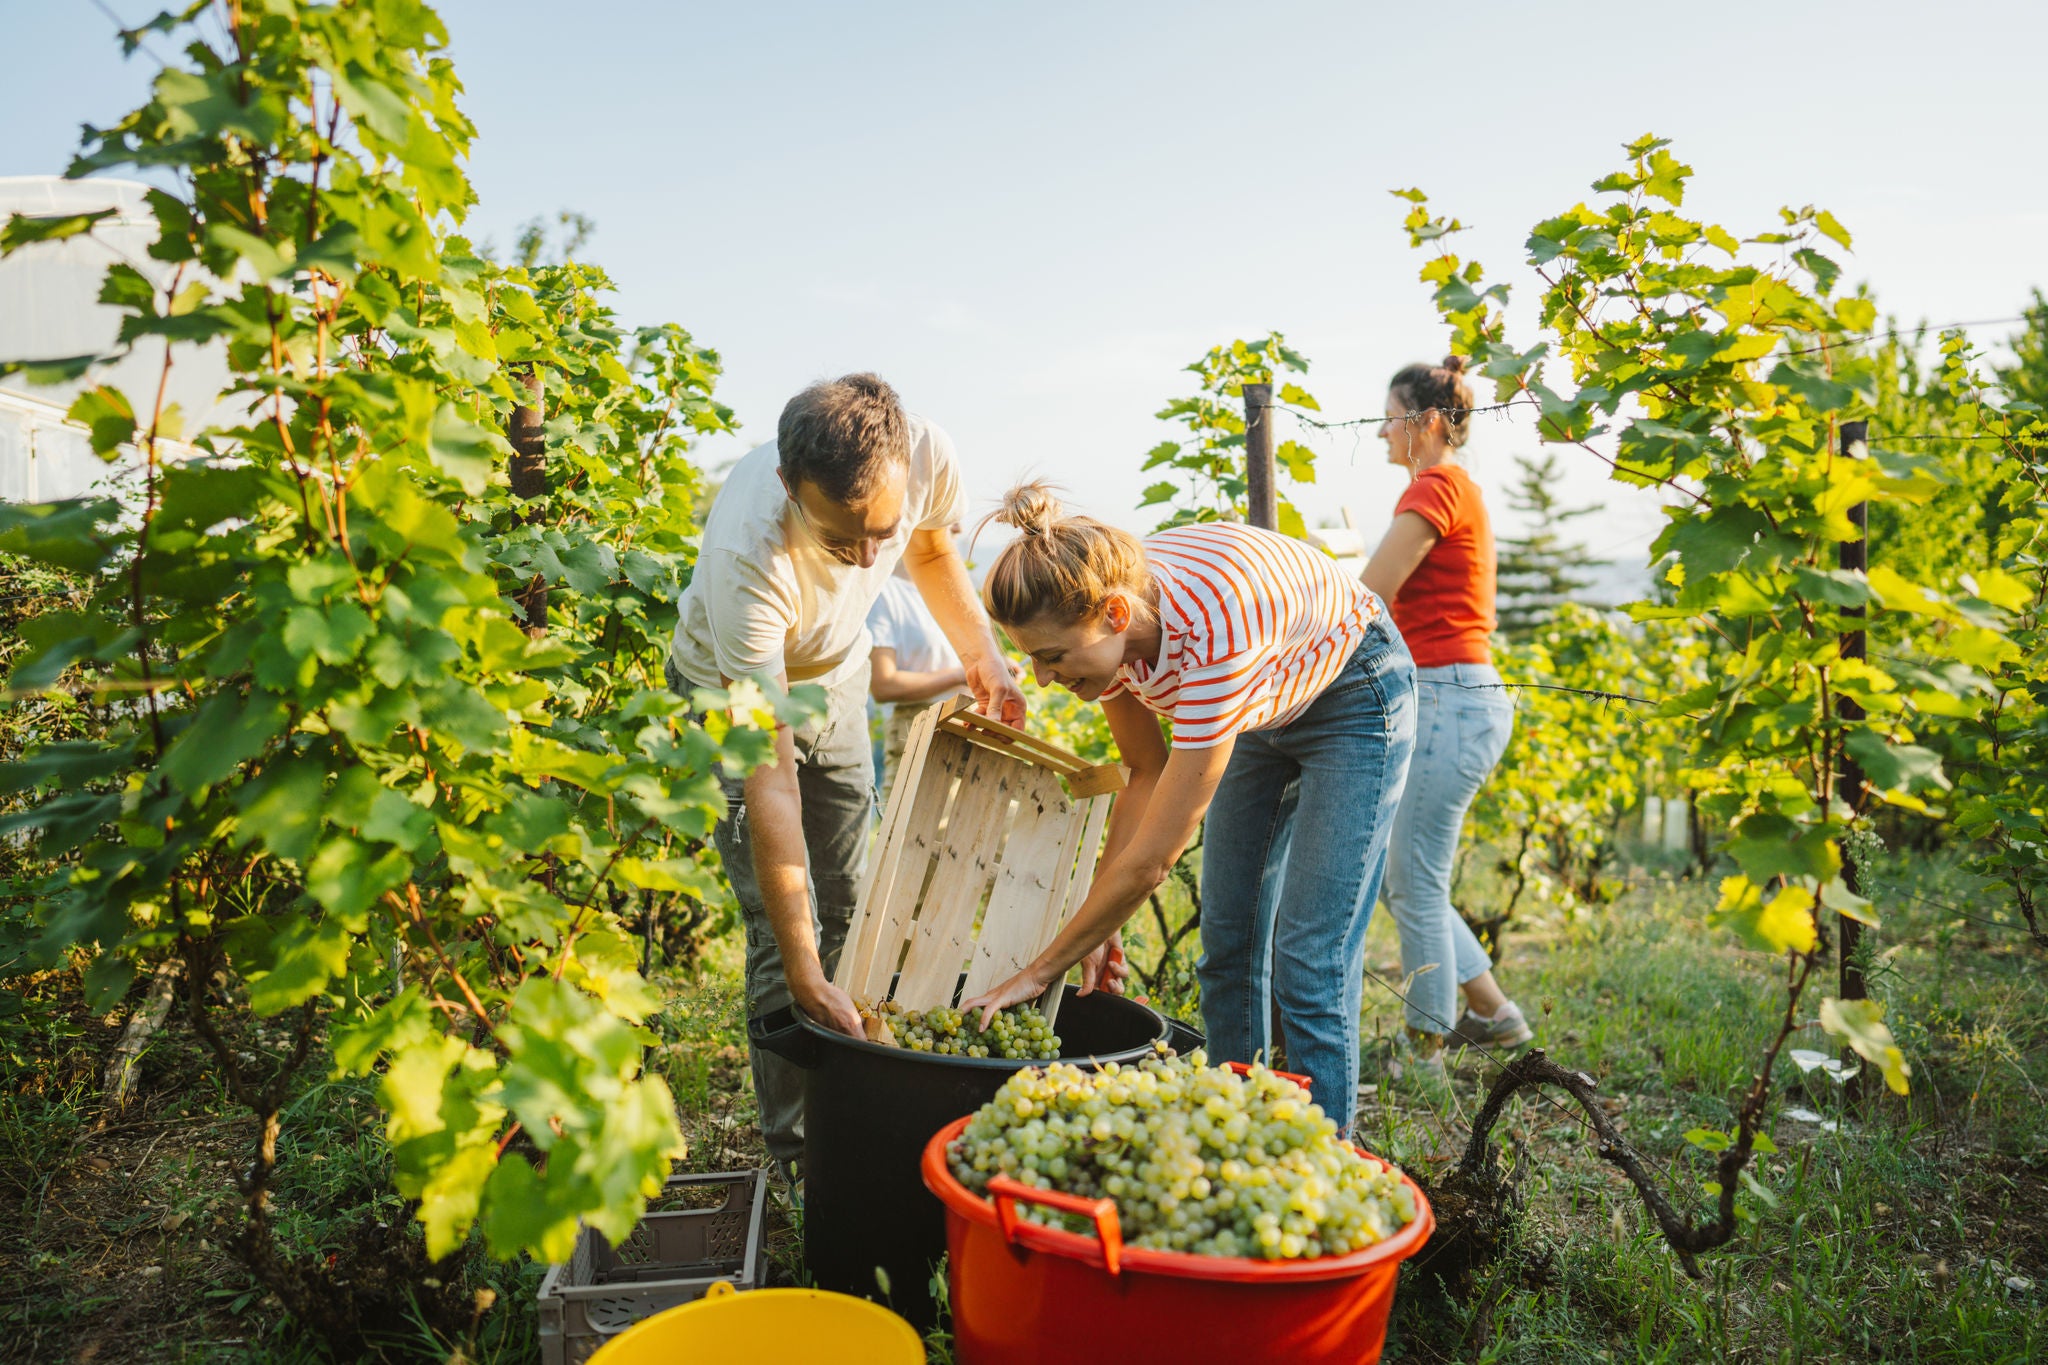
(1904, 1232)
(1916, 1229)
(113, 1230)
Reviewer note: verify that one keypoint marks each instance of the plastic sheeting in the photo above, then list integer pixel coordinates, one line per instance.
(50, 309)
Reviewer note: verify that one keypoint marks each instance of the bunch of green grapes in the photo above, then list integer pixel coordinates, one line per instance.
(1198, 1158)
(1019, 1033)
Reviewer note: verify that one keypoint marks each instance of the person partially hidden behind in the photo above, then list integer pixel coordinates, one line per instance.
(910, 664)
(797, 547)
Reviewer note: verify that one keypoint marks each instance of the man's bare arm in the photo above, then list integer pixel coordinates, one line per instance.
(888, 683)
(775, 824)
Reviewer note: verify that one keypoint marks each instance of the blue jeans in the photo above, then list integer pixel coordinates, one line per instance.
(1463, 720)
(1310, 806)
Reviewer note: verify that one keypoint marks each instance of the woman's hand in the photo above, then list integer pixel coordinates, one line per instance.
(1028, 984)
(1105, 969)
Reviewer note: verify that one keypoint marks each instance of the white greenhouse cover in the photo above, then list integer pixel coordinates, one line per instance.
(49, 309)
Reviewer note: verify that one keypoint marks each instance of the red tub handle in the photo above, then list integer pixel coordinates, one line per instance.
(1241, 1069)
(1005, 1194)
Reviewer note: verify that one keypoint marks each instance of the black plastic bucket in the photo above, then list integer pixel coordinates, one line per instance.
(869, 1110)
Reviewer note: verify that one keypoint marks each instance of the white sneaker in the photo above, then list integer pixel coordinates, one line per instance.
(1507, 1029)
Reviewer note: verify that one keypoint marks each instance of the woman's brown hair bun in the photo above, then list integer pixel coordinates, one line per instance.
(1440, 389)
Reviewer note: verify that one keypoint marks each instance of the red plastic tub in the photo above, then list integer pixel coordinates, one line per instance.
(1027, 1294)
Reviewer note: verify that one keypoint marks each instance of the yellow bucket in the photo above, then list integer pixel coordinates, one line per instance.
(767, 1327)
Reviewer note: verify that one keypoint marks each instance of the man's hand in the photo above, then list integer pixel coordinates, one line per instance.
(826, 1004)
(995, 689)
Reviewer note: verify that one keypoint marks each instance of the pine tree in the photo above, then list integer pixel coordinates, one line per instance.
(2027, 381)
(1540, 569)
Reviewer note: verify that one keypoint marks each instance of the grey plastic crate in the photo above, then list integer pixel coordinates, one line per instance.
(672, 1258)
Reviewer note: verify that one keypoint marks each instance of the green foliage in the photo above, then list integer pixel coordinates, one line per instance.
(345, 773)
(1206, 468)
(1671, 1020)
(1073, 724)
(1585, 752)
(531, 245)
(2002, 741)
(1722, 370)
(1980, 697)
(1724, 376)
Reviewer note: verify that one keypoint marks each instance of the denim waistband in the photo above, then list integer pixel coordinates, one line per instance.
(1468, 674)
(1380, 648)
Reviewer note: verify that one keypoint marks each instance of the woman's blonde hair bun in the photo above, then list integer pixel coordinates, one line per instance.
(1031, 507)
(1059, 566)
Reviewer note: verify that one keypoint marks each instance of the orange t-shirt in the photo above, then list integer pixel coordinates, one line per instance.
(1445, 609)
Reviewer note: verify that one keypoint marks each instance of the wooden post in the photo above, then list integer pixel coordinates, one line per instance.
(1261, 503)
(1855, 558)
(1262, 508)
(529, 476)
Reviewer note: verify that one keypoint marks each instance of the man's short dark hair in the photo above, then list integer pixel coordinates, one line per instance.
(843, 435)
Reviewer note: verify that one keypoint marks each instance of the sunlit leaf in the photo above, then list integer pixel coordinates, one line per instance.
(1861, 1024)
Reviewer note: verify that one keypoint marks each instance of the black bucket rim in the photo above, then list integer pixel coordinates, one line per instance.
(1134, 1051)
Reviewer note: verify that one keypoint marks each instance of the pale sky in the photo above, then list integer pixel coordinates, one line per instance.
(1029, 218)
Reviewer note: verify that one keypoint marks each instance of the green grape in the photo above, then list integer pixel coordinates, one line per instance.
(1018, 1033)
(1198, 1158)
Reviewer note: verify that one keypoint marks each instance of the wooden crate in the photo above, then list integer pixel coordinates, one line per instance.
(988, 845)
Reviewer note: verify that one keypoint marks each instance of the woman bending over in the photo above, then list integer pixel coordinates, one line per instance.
(1291, 702)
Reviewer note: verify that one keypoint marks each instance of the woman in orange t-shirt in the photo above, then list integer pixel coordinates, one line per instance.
(1435, 570)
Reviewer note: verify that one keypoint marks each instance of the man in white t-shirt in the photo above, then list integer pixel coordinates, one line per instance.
(801, 539)
(910, 664)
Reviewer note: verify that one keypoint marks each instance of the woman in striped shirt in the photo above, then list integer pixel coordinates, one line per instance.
(1291, 701)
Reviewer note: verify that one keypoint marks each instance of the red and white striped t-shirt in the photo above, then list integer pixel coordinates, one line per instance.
(1254, 624)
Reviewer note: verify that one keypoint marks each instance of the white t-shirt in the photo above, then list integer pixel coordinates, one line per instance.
(767, 598)
(901, 621)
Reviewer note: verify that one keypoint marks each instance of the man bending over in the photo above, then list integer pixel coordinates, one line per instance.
(797, 548)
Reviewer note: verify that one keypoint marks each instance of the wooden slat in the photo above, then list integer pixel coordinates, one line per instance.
(1098, 781)
(893, 904)
(949, 838)
(1076, 890)
(863, 934)
(1054, 913)
(1028, 884)
(993, 734)
(1083, 875)
(896, 900)
(939, 943)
